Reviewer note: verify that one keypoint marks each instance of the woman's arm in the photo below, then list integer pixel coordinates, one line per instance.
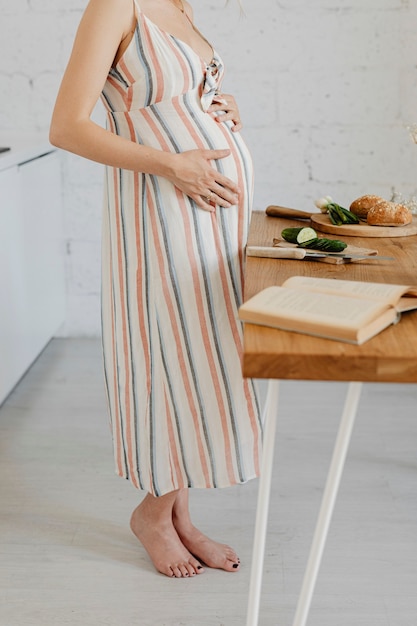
(102, 28)
(104, 25)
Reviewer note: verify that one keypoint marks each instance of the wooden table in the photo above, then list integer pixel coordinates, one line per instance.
(274, 354)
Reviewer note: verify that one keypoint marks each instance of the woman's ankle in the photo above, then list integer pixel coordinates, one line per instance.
(181, 514)
(156, 509)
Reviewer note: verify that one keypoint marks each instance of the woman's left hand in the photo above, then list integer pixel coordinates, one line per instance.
(226, 103)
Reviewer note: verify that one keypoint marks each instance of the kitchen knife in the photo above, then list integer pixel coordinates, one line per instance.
(274, 252)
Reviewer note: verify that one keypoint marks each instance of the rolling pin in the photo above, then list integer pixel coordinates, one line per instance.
(282, 211)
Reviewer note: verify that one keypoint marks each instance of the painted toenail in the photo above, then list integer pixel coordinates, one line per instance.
(199, 567)
(235, 565)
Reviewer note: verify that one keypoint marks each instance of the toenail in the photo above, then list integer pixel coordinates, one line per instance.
(235, 565)
(199, 567)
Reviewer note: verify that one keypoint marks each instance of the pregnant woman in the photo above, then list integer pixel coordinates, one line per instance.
(178, 187)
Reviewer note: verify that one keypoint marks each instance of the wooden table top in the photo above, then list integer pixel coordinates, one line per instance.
(391, 356)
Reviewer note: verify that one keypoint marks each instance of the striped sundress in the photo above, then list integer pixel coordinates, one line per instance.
(172, 279)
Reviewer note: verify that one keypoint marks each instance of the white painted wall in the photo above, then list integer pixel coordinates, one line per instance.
(326, 88)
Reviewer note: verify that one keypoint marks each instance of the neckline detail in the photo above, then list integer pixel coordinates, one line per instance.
(213, 52)
(140, 13)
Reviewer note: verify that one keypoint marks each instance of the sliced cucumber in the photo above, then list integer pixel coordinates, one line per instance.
(290, 234)
(326, 245)
(306, 234)
(310, 243)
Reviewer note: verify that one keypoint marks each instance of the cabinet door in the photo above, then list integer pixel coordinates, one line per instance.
(40, 191)
(13, 351)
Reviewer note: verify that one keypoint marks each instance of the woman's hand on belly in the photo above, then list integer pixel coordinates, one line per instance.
(226, 103)
(193, 173)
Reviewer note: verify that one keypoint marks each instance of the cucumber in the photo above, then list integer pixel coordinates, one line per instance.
(291, 234)
(305, 235)
(326, 245)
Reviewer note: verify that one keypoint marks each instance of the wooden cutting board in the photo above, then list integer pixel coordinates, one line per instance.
(322, 223)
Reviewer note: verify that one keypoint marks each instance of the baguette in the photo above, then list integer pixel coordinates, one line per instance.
(389, 214)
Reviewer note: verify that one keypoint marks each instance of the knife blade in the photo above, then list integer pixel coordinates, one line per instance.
(274, 252)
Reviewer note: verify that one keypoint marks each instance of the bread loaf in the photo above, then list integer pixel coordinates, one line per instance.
(389, 214)
(361, 206)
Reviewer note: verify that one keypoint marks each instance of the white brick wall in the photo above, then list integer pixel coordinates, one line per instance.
(325, 87)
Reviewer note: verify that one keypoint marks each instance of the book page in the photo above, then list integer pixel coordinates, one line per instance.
(381, 292)
(311, 308)
(406, 304)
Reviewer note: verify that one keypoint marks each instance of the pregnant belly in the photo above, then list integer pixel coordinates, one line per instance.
(179, 125)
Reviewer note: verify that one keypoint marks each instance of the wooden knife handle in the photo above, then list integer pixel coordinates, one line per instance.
(282, 211)
(270, 252)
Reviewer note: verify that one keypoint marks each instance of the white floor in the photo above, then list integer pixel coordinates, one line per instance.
(68, 558)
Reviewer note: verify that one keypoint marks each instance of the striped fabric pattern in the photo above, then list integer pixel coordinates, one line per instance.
(172, 280)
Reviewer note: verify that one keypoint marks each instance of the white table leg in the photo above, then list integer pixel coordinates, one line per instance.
(270, 418)
(327, 505)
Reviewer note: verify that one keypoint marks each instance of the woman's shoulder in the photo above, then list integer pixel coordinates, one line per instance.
(122, 10)
(123, 7)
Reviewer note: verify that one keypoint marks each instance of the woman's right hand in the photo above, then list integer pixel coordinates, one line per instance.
(193, 174)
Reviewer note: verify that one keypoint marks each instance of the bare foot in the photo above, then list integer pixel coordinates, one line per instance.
(162, 543)
(212, 553)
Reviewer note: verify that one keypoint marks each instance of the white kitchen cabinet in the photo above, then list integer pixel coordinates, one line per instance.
(32, 280)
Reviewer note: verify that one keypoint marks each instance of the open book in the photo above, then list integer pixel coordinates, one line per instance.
(344, 310)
